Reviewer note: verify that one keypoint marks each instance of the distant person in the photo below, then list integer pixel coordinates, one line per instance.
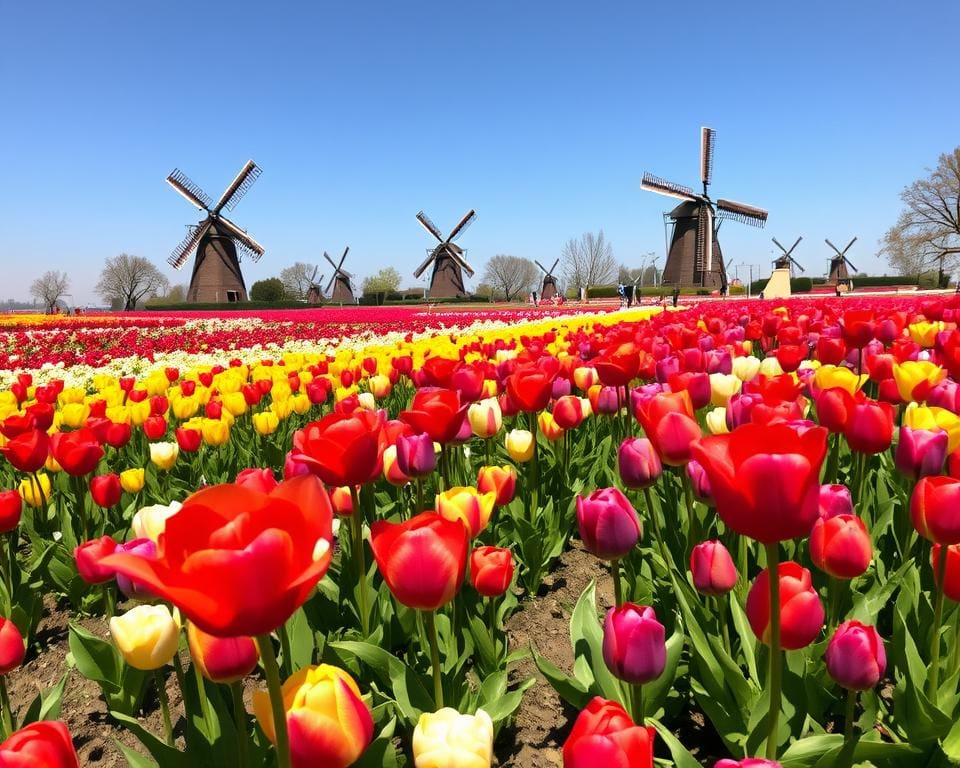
(628, 294)
(535, 299)
(676, 294)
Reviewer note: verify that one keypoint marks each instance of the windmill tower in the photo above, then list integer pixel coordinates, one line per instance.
(314, 294)
(340, 281)
(447, 258)
(787, 261)
(839, 263)
(218, 242)
(549, 288)
(694, 257)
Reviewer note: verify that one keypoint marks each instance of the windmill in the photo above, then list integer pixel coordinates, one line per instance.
(787, 261)
(549, 289)
(839, 263)
(314, 294)
(218, 242)
(447, 258)
(694, 257)
(340, 280)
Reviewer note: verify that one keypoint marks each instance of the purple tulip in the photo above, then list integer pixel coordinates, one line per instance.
(609, 526)
(835, 500)
(607, 401)
(920, 452)
(561, 387)
(855, 656)
(701, 483)
(634, 645)
(415, 456)
(639, 463)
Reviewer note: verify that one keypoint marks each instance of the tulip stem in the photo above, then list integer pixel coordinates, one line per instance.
(286, 663)
(356, 524)
(722, 608)
(617, 584)
(109, 606)
(164, 705)
(687, 484)
(240, 719)
(419, 508)
(636, 693)
(534, 471)
(5, 707)
(7, 565)
(201, 693)
(657, 533)
(848, 721)
(265, 644)
(487, 443)
(833, 462)
(835, 600)
(774, 681)
(933, 683)
(430, 621)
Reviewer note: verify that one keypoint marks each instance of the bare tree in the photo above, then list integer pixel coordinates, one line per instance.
(49, 288)
(927, 231)
(298, 278)
(510, 276)
(588, 261)
(126, 280)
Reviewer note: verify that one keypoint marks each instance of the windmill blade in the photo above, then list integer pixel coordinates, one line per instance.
(332, 264)
(330, 284)
(795, 262)
(849, 244)
(795, 245)
(827, 241)
(778, 244)
(554, 266)
(239, 186)
(429, 225)
(708, 249)
(543, 268)
(426, 263)
(192, 192)
(182, 252)
(241, 237)
(746, 214)
(458, 257)
(465, 222)
(345, 252)
(850, 264)
(244, 251)
(653, 183)
(706, 154)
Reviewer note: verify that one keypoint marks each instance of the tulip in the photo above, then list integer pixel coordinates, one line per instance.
(604, 735)
(391, 470)
(28, 451)
(934, 507)
(261, 556)
(43, 744)
(834, 407)
(188, 441)
(716, 419)
(699, 482)
(520, 445)
(722, 388)
(415, 455)
(379, 386)
(500, 480)
(549, 427)
(88, 556)
(585, 377)
(144, 548)
(147, 636)
(485, 417)
(530, 388)
(155, 427)
(835, 500)
(746, 368)
(150, 522)
(947, 574)
(77, 452)
(164, 455)
(634, 645)
(11, 506)
(105, 490)
(920, 452)
(215, 432)
(491, 570)
(609, 526)
(465, 504)
(570, 411)
(607, 400)
(838, 377)
(855, 656)
(840, 546)
(915, 379)
(35, 490)
(12, 648)
(436, 412)
(342, 449)
(447, 739)
(712, 567)
(132, 480)
(257, 479)
(765, 479)
(801, 612)
(934, 419)
(667, 420)
(222, 659)
(870, 427)
(638, 463)
(265, 422)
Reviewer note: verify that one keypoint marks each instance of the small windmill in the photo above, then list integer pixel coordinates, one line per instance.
(787, 261)
(314, 294)
(549, 288)
(218, 242)
(839, 263)
(694, 257)
(340, 281)
(447, 258)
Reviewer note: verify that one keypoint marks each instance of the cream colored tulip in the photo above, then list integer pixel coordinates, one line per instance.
(519, 444)
(717, 421)
(147, 636)
(150, 522)
(164, 455)
(447, 739)
(723, 386)
(770, 367)
(746, 368)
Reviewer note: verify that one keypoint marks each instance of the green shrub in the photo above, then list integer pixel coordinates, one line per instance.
(270, 289)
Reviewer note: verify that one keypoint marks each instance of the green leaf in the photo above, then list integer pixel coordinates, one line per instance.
(46, 706)
(302, 641)
(682, 758)
(162, 753)
(95, 659)
(568, 688)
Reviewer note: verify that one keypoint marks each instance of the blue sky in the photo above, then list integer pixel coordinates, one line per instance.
(542, 116)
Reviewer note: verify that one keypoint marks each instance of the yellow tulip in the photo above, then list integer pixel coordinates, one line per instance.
(915, 378)
(549, 427)
(300, 403)
(379, 386)
(147, 636)
(367, 401)
(70, 395)
(131, 480)
(585, 377)
(139, 412)
(265, 422)
(52, 465)
(164, 455)
(33, 494)
(746, 368)
(723, 386)
(717, 421)
(925, 333)
(185, 407)
(234, 403)
(74, 414)
(120, 414)
(490, 388)
(282, 408)
(519, 444)
(447, 739)
(770, 366)
(931, 419)
(215, 431)
(830, 376)
(468, 506)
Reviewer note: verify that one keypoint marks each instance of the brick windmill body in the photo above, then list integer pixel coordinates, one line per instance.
(839, 263)
(448, 259)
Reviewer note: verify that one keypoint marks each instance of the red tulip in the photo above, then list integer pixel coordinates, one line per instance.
(841, 546)
(155, 427)
(569, 412)
(12, 648)
(801, 612)
(491, 570)
(935, 509)
(256, 479)
(106, 490)
(855, 656)
(27, 451)
(857, 327)
(765, 479)
(342, 449)
(500, 480)
(45, 744)
(619, 366)
(222, 659)
(422, 560)
(834, 406)
(870, 427)
(240, 562)
(17, 424)
(605, 735)
(668, 421)
(88, 557)
(189, 440)
(11, 507)
(436, 412)
(118, 434)
(712, 567)
(77, 452)
(530, 388)
(951, 581)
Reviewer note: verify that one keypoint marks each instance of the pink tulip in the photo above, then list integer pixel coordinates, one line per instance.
(638, 462)
(855, 656)
(634, 648)
(712, 567)
(609, 526)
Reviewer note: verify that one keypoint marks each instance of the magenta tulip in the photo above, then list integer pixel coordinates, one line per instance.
(634, 648)
(855, 656)
(638, 462)
(609, 525)
(712, 567)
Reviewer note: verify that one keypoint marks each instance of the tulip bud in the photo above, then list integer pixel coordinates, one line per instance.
(485, 417)
(11, 507)
(105, 490)
(605, 735)
(801, 612)
(188, 441)
(499, 480)
(88, 556)
(519, 444)
(447, 739)
(549, 427)
(855, 656)
(716, 419)
(700, 482)
(132, 480)
(150, 522)
(638, 462)
(379, 386)
(870, 427)
(491, 570)
(569, 411)
(328, 722)
(164, 455)
(841, 546)
(35, 493)
(342, 501)
(257, 479)
(746, 368)
(265, 422)
(609, 526)
(722, 388)
(12, 647)
(920, 452)
(585, 377)
(835, 500)
(634, 645)
(222, 659)
(147, 636)
(468, 506)
(391, 470)
(712, 567)
(415, 455)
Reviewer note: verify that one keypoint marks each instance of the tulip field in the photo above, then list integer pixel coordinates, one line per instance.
(716, 536)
